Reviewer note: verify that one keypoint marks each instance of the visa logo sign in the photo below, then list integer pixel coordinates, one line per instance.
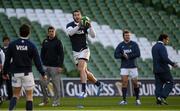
(21, 47)
(127, 51)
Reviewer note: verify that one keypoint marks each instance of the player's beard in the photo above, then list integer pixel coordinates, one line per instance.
(77, 21)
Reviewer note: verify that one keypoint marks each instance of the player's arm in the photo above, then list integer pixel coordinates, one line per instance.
(135, 53)
(164, 55)
(61, 54)
(43, 52)
(7, 62)
(37, 61)
(2, 57)
(0, 63)
(118, 52)
(91, 31)
(72, 30)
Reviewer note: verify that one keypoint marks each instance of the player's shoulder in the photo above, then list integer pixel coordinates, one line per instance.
(29, 43)
(45, 40)
(70, 24)
(133, 42)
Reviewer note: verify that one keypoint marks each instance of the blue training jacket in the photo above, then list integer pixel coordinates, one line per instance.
(160, 58)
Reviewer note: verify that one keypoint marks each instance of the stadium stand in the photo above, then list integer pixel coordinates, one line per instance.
(171, 6)
(111, 17)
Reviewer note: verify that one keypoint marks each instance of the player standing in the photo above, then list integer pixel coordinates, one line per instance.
(78, 37)
(163, 77)
(2, 59)
(128, 51)
(22, 52)
(6, 41)
(52, 56)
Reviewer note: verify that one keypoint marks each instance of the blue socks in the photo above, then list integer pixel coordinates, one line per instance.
(12, 103)
(29, 105)
(83, 87)
(124, 91)
(136, 92)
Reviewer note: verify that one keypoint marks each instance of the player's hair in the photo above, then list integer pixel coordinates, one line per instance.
(162, 37)
(125, 32)
(24, 30)
(51, 27)
(76, 11)
(5, 38)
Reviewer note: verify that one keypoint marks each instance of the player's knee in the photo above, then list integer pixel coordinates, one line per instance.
(81, 69)
(124, 83)
(29, 95)
(16, 96)
(136, 85)
(170, 83)
(29, 98)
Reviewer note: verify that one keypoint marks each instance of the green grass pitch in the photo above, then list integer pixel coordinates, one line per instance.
(101, 103)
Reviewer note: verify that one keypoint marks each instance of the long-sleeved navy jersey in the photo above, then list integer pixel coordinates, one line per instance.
(4, 50)
(22, 52)
(79, 39)
(131, 49)
(52, 53)
(0, 58)
(160, 58)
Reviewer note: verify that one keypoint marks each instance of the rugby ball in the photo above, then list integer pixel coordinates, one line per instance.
(85, 21)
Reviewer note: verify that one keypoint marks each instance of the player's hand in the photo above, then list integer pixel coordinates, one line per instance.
(5, 77)
(44, 77)
(88, 24)
(175, 65)
(1, 67)
(125, 55)
(59, 70)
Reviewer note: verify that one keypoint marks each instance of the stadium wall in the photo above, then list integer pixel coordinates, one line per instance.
(71, 87)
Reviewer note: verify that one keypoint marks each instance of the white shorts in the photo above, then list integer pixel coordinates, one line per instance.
(84, 54)
(20, 80)
(133, 72)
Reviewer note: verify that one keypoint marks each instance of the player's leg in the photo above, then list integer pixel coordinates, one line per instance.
(134, 76)
(167, 88)
(91, 77)
(28, 84)
(16, 94)
(124, 86)
(124, 79)
(9, 88)
(81, 59)
(83, 76)
(16, 84)
(158, 88)
(56, 86)
(29, 99)
(1, 82)
(43, 84)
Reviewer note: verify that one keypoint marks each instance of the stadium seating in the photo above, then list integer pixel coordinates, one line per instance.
(171, 6)
(111, 16)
